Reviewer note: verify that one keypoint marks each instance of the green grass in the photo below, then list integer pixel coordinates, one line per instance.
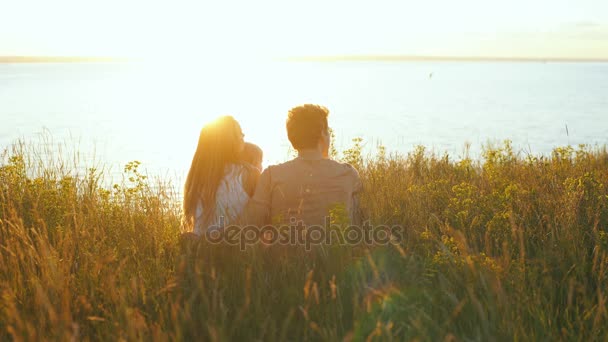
(512, 247)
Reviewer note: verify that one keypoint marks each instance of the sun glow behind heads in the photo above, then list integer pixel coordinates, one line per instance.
(271, 28)
(170, 103)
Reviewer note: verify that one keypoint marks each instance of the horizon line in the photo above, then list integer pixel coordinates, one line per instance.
(431, 58)
(318, 58)
(61, 59)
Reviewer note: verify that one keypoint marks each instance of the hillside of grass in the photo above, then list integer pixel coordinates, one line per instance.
(509, 247)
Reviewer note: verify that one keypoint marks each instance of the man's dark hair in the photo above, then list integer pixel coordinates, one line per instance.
(305, 125)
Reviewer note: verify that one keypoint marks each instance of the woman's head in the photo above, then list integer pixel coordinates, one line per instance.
(252, 154)
(220, 143)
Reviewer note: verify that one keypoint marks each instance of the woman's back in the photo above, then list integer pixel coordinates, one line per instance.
(230, 201)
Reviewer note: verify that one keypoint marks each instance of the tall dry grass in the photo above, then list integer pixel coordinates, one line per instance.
(512, 247)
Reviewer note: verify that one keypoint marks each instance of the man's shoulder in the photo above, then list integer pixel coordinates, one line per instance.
(280, 168)
(275, 167)
(327, 164)
(343, 166)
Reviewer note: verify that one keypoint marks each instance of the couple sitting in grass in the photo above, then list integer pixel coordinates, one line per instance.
(226, 186)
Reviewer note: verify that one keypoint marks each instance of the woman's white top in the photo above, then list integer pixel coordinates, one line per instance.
(230, 201)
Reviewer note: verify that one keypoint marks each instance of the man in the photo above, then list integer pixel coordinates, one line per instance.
(311, 185)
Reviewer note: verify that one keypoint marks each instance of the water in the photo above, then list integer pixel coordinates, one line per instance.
(153, 112)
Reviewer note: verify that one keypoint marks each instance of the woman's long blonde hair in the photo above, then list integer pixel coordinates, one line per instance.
(219, 144)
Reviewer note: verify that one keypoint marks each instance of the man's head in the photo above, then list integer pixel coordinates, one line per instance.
(307, 128)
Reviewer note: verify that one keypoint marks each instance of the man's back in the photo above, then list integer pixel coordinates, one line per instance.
(306, 188)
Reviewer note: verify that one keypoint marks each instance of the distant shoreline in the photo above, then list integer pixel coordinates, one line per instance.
(58, 59)
(357, 58)
(400, 58)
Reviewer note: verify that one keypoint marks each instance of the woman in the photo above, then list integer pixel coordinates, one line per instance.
(216, 189)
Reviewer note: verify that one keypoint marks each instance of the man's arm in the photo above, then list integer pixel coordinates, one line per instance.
(357, 213)
(250, 179)
(257, 211)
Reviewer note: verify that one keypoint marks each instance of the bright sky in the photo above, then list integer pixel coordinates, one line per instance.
(280, 28)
